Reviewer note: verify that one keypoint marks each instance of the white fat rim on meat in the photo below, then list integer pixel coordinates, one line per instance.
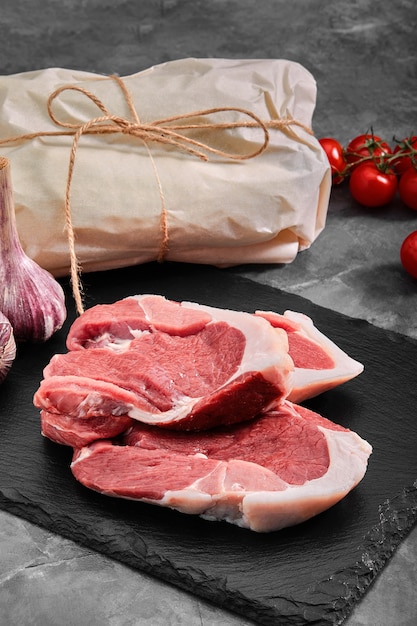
(349, 454)
(266, 511)
(350, 365)
(346, 367)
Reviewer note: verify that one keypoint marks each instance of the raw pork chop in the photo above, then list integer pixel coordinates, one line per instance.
(319, 363)
(176, 365)
(272, 472)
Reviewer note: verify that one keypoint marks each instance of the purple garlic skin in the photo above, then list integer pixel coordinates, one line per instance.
(30, 297)
(7, 346)
(34, 302)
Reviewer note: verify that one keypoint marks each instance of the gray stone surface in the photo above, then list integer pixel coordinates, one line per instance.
(364, 57)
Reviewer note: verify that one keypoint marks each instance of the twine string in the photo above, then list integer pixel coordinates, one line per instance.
(164, 132)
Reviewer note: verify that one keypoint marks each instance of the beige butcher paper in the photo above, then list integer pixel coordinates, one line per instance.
(133, 199)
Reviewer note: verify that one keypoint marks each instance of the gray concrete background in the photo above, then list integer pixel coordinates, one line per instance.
(363, 55)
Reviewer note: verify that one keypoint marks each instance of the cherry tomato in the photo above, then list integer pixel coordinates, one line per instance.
(334, 151)
(402, 163)
(366, 146)
(408, 254)
(407, 188)
(371, 187)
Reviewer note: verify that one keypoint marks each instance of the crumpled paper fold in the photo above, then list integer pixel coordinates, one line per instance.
(222, 211)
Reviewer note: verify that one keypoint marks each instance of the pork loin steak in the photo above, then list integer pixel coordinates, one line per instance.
(275, 471)
(176, 365)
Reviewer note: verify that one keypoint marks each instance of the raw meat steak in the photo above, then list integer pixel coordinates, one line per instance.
(176, 365)
(275, 471)
(319, 363)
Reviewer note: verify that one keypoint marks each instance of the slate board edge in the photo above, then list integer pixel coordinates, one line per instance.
(16, 503)
(398, 517)
(393, 334)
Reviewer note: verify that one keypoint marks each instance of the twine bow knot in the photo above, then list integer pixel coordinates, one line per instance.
(164, 130)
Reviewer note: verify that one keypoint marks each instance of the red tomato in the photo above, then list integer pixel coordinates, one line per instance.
(408, 188)
(371, 187)
(402, 163)
(408, 254)
(366, 146)
(334, 151)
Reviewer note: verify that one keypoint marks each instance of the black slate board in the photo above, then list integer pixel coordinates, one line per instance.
(310, 574)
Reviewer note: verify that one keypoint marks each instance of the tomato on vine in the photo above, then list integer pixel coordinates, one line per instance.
(407, 188)
(404, 156)
(375, 171)
(364, 148)
(335, 155)
(372, 187)
(408, 254)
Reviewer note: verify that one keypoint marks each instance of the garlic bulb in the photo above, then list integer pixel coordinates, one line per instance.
(7, 346)
(30, 297)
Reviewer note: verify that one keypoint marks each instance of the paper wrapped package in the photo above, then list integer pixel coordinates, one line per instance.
(134, 195)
